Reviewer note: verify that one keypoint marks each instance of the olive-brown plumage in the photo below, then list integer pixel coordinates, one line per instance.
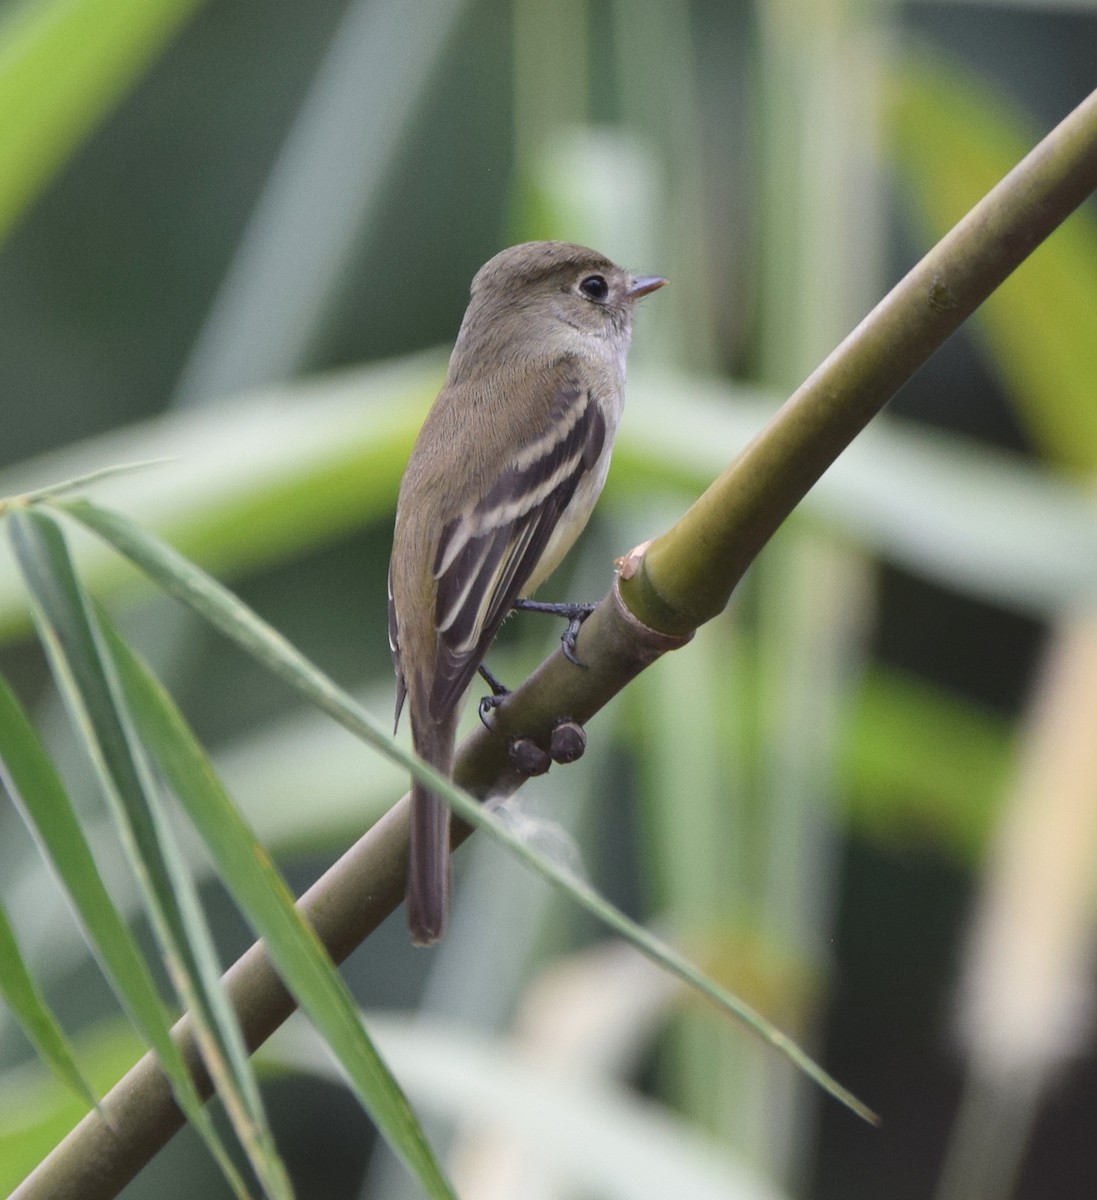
(500, 483)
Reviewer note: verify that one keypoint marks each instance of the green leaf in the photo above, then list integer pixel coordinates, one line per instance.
(229, 614)
(67, 629)
(954, 137)
(64, 64)
(268, 904)
(37, 790)
(924, 764)
(29, 1008)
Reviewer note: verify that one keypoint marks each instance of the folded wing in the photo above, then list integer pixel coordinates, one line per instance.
(486, 555)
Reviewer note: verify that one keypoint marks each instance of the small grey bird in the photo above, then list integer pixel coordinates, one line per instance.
(500, 483)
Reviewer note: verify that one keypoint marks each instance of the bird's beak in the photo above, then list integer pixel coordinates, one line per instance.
(643, 285)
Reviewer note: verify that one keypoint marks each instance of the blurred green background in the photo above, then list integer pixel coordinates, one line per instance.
(220, 220)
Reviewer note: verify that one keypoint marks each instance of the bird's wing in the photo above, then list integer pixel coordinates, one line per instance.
(487, 554)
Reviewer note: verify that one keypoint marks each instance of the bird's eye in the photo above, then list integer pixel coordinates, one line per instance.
(595, 287)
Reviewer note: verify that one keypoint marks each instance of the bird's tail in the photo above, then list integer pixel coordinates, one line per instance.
(428, 857)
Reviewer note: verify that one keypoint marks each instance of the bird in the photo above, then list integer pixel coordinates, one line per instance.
(501, 481)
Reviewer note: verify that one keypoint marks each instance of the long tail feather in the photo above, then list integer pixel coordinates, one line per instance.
(428, 860)
(428, 867)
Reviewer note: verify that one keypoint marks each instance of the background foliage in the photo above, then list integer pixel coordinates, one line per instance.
(215, 213)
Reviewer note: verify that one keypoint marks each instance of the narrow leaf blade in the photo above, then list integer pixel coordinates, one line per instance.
(28, 1006)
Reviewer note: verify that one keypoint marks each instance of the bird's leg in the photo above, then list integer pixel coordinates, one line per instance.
(499, 692)
(574, 614)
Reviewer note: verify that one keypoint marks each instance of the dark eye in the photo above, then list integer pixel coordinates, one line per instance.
(595, 287)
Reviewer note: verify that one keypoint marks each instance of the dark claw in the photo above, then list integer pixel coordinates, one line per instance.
(567, 642)
(487, 704)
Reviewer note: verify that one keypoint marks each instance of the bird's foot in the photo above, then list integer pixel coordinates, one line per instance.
(574, 614)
